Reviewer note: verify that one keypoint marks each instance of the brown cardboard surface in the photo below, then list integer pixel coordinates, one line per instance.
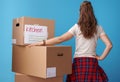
(26, 78)
(18, 28)
(40, 60)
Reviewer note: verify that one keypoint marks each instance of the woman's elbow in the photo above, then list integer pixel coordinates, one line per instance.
(110, 45)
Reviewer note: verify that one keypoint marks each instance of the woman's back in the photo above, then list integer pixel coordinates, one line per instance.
(85, 47)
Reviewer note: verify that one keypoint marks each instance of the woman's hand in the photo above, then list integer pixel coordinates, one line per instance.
(98, 57)
(35, 44)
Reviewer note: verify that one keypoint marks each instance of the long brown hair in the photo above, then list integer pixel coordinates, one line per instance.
(87, 20)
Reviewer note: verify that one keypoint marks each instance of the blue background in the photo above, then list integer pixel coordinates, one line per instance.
(65, 13)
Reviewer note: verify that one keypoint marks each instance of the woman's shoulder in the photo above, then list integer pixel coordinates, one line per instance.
(99, 26)
(76, 26)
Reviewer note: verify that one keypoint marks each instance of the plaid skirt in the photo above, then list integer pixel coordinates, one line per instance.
(86, 69)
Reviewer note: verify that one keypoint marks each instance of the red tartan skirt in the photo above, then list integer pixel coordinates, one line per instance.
(86, 69)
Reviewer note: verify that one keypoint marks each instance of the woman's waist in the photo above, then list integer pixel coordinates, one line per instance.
(85, 55)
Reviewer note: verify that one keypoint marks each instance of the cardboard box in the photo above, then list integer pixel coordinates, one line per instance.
(42, 61)
(28, 30)
(26, 78)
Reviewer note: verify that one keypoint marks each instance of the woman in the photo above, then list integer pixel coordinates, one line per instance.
(87, 32)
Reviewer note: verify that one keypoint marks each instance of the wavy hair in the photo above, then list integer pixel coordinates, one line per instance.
(87, 20)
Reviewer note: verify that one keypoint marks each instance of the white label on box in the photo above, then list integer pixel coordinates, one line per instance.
(35, 33)
(51, 72)
(14, 41)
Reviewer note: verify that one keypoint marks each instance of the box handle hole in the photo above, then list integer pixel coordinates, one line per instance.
(17, 25)
(60, 54)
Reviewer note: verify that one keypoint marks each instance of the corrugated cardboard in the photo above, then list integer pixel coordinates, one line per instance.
(42, 61)
(19, 25)
(26, 78)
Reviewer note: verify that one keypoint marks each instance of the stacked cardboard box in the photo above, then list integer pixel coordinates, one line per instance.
(38, 63)
(27, 78)
(28, 30)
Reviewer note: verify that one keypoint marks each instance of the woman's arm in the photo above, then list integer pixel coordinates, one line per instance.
(108, 44)
(54, 41)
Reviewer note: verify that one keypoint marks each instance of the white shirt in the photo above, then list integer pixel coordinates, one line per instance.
(85, 47)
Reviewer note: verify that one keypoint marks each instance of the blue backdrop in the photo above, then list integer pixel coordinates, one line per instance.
(65, 13)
